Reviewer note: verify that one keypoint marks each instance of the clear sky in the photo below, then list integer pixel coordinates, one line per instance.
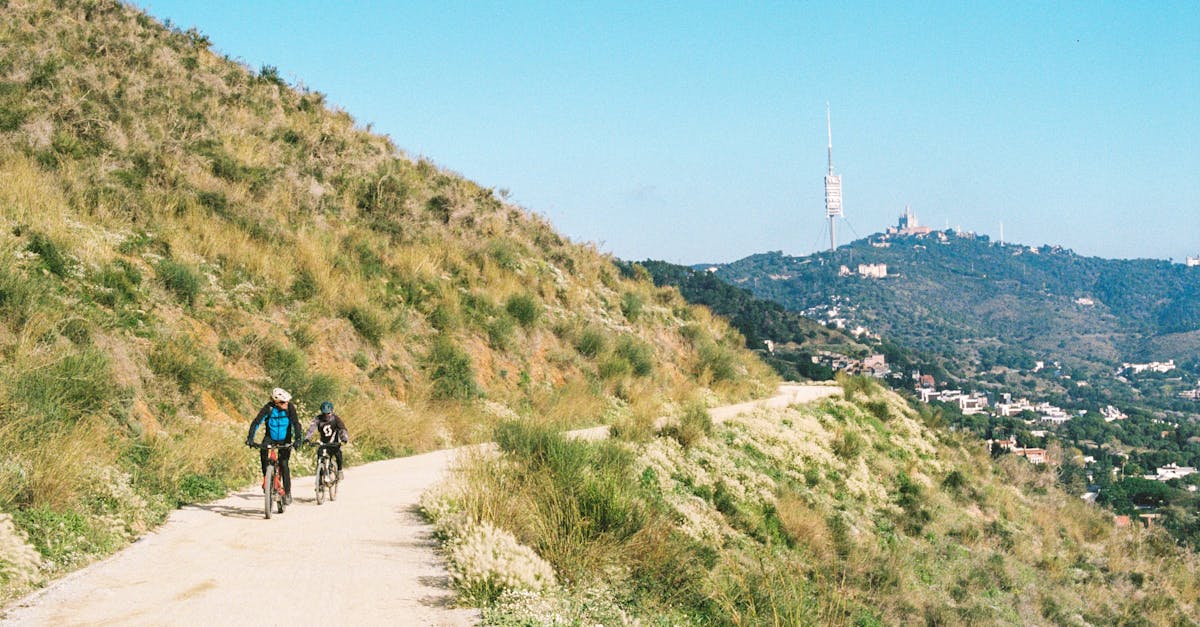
(694, 131)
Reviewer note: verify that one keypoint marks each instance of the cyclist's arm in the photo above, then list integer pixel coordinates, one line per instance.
(293, 422)
(262, 414)
(311, 428)
(343, 435)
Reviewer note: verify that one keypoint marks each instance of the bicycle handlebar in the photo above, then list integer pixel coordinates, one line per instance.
(269, 445)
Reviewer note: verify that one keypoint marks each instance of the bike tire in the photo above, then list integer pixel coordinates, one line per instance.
(320, 481)
(269, 492)
(333, 479)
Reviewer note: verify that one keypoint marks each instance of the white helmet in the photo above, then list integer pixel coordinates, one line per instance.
(280, 394)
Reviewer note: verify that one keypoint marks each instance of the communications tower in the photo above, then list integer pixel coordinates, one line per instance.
(833, 188)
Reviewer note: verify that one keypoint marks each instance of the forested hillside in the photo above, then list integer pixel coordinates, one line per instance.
(991, 310)
(183, 233)
(784, 339)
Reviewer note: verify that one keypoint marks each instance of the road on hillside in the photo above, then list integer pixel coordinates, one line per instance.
(367, 558)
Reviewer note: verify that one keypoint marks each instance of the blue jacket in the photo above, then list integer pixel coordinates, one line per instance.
(281, 424)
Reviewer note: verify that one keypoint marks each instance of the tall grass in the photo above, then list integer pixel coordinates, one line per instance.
(730, 530)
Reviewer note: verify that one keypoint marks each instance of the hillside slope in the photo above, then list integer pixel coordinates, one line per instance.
(183, 234)
(856, 510)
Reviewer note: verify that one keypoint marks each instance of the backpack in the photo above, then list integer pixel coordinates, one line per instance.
(277, 424)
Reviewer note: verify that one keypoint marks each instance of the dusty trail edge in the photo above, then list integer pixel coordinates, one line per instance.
(367, 558)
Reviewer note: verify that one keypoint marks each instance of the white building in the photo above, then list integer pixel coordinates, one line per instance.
(1170, 471)
(872, 270)
(1111, 413)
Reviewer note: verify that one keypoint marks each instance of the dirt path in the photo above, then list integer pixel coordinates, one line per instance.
(367, 558)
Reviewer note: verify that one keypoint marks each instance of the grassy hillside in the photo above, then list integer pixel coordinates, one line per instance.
(182, 233)
(856, 511)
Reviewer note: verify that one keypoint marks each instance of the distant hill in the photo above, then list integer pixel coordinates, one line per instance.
(181, 233)
(794, 339)
(993, 310)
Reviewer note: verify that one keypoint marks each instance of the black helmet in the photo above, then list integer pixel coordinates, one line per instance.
(326, 407)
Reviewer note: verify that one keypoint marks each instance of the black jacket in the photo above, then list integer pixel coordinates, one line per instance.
(329, 427)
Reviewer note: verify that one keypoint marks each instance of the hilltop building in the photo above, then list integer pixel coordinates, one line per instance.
(1193, 261)
(908, 225)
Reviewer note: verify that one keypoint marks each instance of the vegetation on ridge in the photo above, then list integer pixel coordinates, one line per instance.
(181, 234)
(856, 510)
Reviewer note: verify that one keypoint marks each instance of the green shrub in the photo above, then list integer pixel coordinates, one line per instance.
(118, 282)
(302, 336)
(504, 254)
(181, 360)
(52, 258)
(368, 325)
(637, 354)
(450, 371)
(288, 369)
(879, 409)
(228, 347)
(194, 488)
(66, 539)
(443, 317)
(590, 343)
(180, 280)
(304, 286)
(68, 388)
(631, 306)
(848, 445)
(853, 386)
(719, 361)
(439, 207)
(524, 309)
(694, 424)
(613, 367)
(499, 331)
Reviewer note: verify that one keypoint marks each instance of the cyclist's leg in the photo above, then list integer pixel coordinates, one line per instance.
(262, 458)
(285, 472)
(337, 455)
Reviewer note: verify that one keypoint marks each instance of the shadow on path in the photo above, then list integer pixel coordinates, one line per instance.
(254, 510)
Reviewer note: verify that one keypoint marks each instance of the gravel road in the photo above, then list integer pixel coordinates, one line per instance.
(367, 558)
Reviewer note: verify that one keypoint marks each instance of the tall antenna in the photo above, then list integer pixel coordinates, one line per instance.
(833, 188)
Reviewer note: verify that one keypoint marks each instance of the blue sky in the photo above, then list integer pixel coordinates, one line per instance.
(695, 131)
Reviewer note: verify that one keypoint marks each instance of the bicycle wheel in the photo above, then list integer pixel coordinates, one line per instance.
(320, 481)
(269, 489)
(333, 479)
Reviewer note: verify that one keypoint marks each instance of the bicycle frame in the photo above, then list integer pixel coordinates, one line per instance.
(275, 494)
(326, 479)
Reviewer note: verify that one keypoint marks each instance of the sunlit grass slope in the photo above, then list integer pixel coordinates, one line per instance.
(181, 233)
(853, 511)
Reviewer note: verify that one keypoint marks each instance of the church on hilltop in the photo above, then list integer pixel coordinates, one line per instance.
(908, 225)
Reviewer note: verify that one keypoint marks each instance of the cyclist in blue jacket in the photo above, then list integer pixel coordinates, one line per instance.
(282, 426)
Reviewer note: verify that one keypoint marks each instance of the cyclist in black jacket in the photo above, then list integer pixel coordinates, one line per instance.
(282, 426)
(331, 430)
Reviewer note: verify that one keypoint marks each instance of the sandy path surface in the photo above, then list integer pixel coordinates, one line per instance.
(367, 558)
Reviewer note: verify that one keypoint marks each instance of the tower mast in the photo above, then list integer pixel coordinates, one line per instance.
(833, 188)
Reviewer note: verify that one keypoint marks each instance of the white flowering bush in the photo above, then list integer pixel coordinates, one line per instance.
(487, 561)
(20, 563)
(594, 605)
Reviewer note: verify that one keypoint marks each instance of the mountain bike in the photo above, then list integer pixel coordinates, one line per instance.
(275, 496)
(326, 480)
